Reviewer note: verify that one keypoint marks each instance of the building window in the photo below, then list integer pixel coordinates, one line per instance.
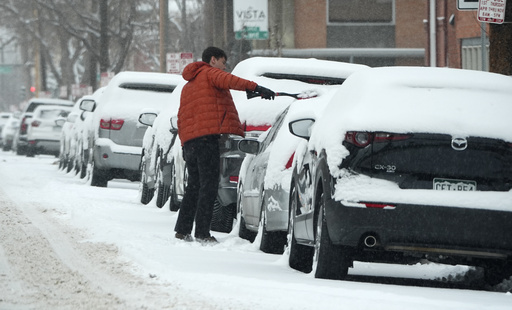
(360, 11)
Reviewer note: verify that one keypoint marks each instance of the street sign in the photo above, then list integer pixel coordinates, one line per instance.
(467, 5)
(176, 62)
(492, 11)
(250, 19)
(5, 69)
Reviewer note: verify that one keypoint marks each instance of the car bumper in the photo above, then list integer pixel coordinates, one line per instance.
(109, 155)
(424, 229)
(45, 146)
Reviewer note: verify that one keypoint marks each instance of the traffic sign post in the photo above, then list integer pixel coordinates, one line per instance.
(492, 11)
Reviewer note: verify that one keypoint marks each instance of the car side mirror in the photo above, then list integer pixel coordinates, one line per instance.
(301, 128)
(60, 121)
(174, 124)
(249, 146)
(88, 105)
(147, 118)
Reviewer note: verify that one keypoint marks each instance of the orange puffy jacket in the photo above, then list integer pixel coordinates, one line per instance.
(206, 106)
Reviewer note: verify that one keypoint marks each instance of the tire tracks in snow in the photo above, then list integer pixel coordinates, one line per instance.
(46, 265)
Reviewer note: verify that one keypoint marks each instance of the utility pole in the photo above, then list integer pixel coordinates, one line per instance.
(164, 17)
(500, 43)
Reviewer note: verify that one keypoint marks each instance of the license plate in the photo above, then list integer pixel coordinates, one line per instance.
(454, 185)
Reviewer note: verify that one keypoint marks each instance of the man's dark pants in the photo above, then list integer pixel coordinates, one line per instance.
(202, 159)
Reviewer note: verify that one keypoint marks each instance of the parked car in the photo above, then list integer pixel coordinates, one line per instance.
(405, 163)
(43, 133)
(20, 143)
(265, 174)
(263, 187)
(9, 131)
(84, 133)
(68, 138)
(115, 131)
(4, 117)
(157, 164)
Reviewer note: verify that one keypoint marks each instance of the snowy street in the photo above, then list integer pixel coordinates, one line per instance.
(67, 245)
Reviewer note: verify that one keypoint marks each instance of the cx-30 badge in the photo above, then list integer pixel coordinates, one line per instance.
(459, 144)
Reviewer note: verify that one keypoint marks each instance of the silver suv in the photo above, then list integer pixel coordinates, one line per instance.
(115, 129)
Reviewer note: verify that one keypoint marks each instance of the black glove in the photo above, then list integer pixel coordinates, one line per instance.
(265, 93)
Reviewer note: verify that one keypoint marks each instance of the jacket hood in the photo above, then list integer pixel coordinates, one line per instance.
(191, 70)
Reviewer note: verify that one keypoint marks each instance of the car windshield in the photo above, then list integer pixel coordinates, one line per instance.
(310, 79)
(50, 114)
(149, 87)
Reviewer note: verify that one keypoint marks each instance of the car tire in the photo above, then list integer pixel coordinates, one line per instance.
(329, 261)
(83, 165)
(98, 177)
(300, 256)
(272, 242)
(174, 203)
(223, 217)
(146, 192)
(243, 232)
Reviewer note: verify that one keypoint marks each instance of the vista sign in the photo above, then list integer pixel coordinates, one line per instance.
(250, 19)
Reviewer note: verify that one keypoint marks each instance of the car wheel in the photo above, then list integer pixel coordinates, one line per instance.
(171, 193)
(301, 256)
(223, 217)
(83, 164)
(243, 232)
(271, 241)
(20, 150)
(98, 176)
(329, 261)
(146, 192)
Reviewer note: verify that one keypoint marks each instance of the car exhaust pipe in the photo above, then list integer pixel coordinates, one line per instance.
(370, 241)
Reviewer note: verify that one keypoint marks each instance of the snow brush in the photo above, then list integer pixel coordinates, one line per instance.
(299, 96)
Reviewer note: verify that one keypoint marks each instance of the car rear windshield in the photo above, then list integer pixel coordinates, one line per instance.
(149, 87)
(310, 79)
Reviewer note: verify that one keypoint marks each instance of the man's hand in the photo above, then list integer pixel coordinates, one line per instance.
(265, 93)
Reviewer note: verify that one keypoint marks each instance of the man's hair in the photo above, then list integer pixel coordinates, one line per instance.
(213, 51)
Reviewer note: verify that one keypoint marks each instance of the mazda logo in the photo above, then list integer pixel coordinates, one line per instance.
(459, 144)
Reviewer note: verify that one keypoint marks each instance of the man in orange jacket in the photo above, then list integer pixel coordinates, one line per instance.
(206, 111)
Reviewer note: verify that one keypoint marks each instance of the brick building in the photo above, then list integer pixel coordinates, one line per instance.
(372, 32)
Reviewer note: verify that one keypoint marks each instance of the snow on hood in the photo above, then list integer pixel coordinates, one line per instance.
(258, 111)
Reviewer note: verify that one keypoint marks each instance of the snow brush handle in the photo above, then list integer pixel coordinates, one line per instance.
(253, 94)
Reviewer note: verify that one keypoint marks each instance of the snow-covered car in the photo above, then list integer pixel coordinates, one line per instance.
(9, 130)
(20, 143)
(264, 183)
(4, 117)
(160, 148)
(43, 133)
(68, 138)
(115, 130)
(405, 163)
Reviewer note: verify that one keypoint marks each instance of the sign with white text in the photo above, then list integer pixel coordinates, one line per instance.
(176, 62)
(250, 19)
(492, 11)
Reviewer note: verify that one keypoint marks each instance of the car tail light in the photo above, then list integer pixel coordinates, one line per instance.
(256, 128)
(358, 138)
(23, 127)
(111, 124)
(363, 138)
(290, 162)
(35, 123)
(379, 205)
(233, 179)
